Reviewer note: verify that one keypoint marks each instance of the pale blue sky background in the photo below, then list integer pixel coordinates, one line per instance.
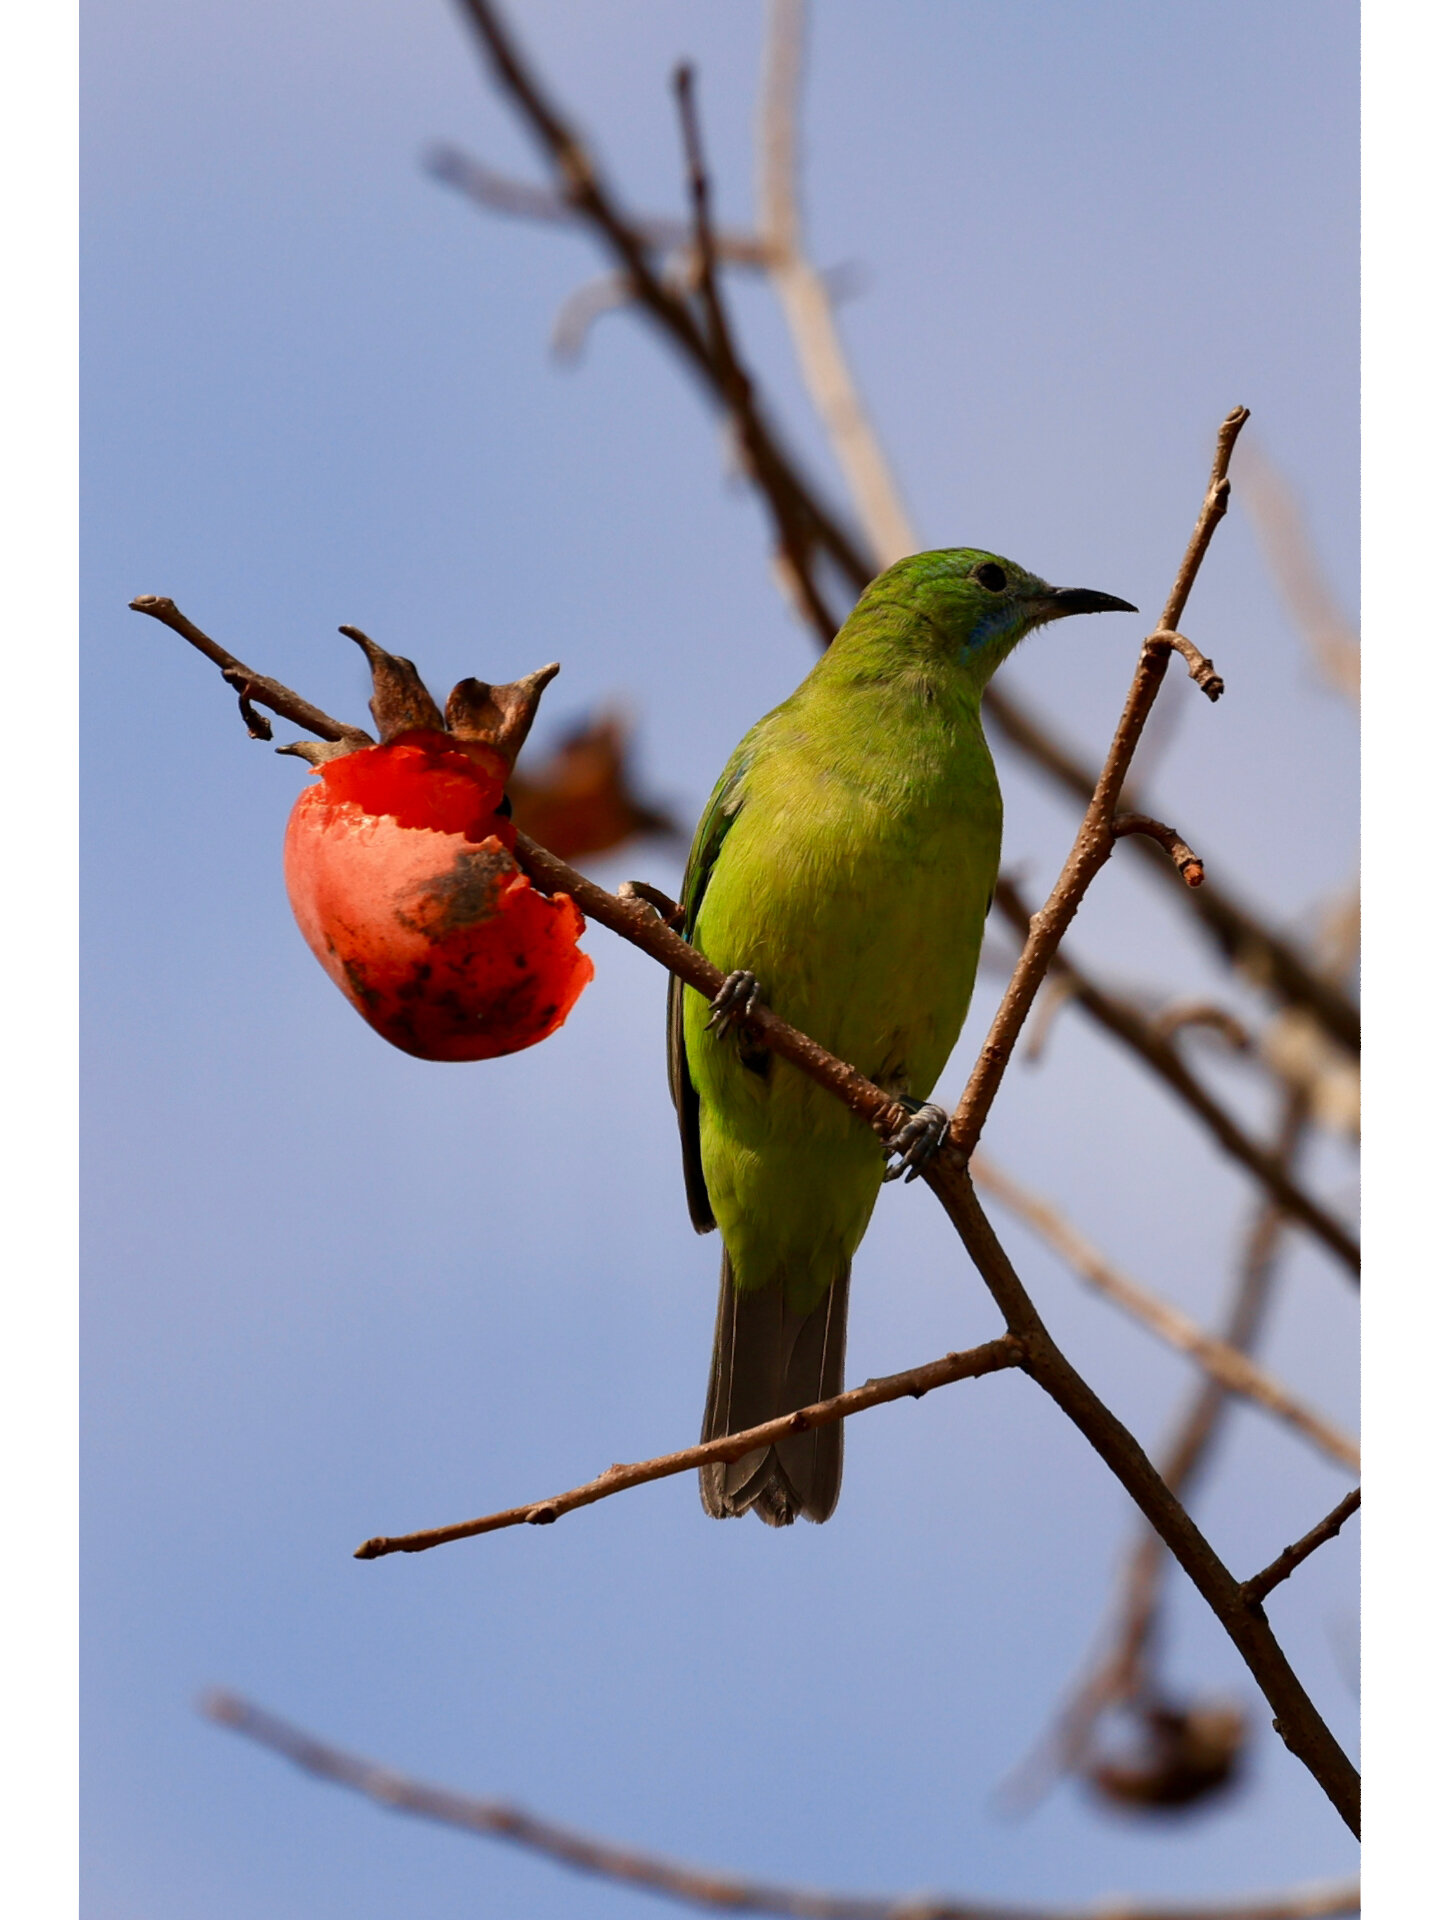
(333, 1291)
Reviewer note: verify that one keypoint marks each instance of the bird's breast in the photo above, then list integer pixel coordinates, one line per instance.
(859, 903)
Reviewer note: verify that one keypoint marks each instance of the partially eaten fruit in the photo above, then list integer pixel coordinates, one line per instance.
(400, 868)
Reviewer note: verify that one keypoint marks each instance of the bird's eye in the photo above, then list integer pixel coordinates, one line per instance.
(991, 577)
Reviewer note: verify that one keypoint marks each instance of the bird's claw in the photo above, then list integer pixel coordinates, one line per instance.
(918, 1140)
(734, 1003)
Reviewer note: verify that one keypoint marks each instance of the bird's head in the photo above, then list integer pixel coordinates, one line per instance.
(974, 607)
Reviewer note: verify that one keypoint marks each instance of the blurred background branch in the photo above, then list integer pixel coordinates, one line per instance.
(1224, 1361)
(697, 1887)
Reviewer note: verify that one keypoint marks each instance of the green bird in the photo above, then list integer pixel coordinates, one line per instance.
(847, 859)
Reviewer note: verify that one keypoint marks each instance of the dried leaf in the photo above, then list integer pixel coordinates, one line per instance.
(1185, 1755)
(581, 799)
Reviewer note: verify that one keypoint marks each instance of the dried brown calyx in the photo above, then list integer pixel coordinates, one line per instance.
(500, 716)
(476, 712)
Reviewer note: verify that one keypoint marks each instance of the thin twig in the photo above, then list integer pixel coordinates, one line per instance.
(1164, 1058)
(1201, 670)
(1187, 863)
(694, 1886)
(250, 685)
(1225, 1364)
(579, 311)
(913, 1384)
(1297, 1721)
(1285, 1563)
(1049, 1004)
(1095, 839)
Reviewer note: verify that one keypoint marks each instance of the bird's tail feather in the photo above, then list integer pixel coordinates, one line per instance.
(768, 1360)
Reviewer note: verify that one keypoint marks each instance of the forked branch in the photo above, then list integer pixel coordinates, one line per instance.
(1285, 1563)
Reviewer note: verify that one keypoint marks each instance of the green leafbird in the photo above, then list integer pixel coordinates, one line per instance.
(846, 862)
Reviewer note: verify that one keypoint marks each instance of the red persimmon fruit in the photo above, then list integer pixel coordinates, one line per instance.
(401, 874)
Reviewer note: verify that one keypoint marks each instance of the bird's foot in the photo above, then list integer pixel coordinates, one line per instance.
(918, 1140)
(734, 1003)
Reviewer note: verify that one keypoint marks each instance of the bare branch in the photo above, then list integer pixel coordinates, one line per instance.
(1095, 839)
(634, 921)
(1296, 1718)
(1224, 1363)
(913, 1385)
(693, 1886)
(1164, 1058)
(1285, 1563)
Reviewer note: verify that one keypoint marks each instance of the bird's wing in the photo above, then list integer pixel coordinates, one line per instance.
(715, 823)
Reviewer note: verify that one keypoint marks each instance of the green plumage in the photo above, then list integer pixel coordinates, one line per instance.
(847, 858)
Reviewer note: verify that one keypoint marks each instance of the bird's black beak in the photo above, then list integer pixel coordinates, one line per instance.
(1060, 601)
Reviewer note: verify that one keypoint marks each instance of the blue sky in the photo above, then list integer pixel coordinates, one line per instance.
(332, 1291)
